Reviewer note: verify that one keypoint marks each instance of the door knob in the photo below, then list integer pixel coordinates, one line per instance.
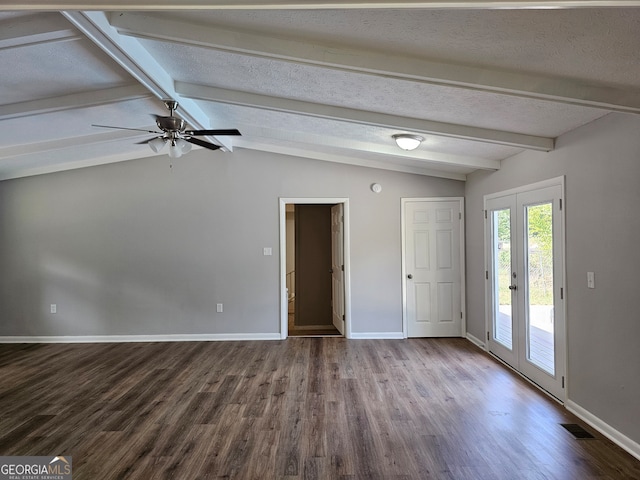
(409, 276)
(513, 287)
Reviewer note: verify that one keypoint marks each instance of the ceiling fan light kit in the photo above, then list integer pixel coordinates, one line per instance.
(407, 141)
(179, 147)
(157, 144)
(175, 134)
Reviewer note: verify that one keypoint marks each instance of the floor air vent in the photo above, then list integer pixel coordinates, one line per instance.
(576, 430)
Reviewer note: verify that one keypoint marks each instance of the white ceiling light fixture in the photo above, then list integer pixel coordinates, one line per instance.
(407, 141)
(179, 147)
(157, 144)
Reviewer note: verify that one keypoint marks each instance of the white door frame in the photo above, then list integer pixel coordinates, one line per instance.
(403, 202)
(557, 181)
(284, 301)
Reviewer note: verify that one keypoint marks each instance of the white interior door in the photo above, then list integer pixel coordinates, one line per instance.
(337, 266)
(433, 274)
(526, 284)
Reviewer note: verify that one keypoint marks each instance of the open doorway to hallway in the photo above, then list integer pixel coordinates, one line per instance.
(314, 267)
(309, 270)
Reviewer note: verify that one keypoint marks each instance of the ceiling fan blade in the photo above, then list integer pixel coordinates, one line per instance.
(213, 132)
(125, 128)
(202, 143)
(144, 142)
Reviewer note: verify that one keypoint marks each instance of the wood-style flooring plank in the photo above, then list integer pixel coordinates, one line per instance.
(303, 408)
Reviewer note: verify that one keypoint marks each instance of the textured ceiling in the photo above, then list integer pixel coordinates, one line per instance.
(575, 43)
(334, 85)
(360, 91)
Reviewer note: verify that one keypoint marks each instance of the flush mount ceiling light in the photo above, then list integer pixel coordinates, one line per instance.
(407, 141)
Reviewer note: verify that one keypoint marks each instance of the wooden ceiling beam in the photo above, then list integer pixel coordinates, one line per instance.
(363, 61)
(134, 59)
(361, 117)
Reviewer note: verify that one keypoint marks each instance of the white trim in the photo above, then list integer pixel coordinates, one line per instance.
(377, 335)
(605, 429)
(284, 302)
(476, 341)
(403, 254)
(207, 337)
(551, 182)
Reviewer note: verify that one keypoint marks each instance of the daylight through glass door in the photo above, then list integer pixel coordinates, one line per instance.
(539, 281)
(503, 320)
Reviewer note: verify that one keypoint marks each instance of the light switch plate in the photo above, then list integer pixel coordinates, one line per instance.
(591, 280)
(267, 251)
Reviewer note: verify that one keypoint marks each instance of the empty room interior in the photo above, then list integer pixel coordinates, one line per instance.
(251, 239)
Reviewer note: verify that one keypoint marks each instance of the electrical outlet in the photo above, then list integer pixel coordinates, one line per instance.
(219, 308)
(54, 308)
(591, 280)
(266, 251)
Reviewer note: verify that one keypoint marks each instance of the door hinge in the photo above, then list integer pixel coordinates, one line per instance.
(563, 382)
(561, 293)
(342, 266)
(485, 214)
(486, 274)
(343, 319)
(487, 336)
(459, 215)
(460, 315)
(560, 204)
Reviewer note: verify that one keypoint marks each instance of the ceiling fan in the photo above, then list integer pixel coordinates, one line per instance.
(175, 134)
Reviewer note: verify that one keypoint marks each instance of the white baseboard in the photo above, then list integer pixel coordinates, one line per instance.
(140, 338)
(604, 428)
(377, 335)
(476, 341)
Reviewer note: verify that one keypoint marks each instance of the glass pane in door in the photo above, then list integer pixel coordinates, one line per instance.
(539, 282)
(503, 308)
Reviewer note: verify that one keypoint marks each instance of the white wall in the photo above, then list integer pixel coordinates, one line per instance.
(136, 248)
(601, 162)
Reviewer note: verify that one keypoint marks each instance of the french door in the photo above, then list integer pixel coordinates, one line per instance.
(525, 274)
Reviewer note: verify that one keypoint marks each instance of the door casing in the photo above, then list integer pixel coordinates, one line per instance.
(284, 309)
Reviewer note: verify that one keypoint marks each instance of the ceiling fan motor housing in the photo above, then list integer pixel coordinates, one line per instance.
(170, 124)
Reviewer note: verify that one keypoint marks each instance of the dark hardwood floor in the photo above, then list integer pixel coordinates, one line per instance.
(317, 408)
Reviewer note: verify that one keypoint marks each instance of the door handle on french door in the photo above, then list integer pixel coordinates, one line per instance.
(513, 287)
(409, 276)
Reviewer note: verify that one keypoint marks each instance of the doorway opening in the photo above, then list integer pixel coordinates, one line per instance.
(314, 267)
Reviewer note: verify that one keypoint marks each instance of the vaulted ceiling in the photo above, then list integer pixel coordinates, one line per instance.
(328, 83)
